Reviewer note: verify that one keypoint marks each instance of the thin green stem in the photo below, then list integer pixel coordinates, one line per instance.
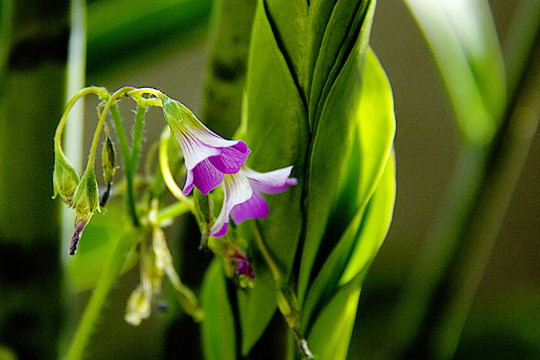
(266, 254)
(91, 314)
(61, 124)
(172, 211)
(286, 298)
(141, 91)
(109, 105)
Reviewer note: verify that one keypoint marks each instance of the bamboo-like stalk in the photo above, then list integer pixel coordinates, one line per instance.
(31, 102)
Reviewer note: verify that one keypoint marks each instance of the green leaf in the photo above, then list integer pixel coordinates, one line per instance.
(349, 23)
(331, 139)
(331, 333)
(356, 249)
(218, 326)
(463, 38)
(84, 269)
(368, 158)
(289, 21)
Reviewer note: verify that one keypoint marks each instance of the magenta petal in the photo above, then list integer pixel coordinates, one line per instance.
(221, 231)
(271, 182)
(255, 207)
(204, 176)
(231, 159)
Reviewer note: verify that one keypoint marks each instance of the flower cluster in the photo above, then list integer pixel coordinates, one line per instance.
(212, 161)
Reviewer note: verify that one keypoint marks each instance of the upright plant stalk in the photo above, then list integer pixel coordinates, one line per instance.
(31, 101)
(227, 65)
(72, 146)
(430, 317)
(504, 166)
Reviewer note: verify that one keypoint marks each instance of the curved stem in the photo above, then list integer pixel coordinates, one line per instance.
(83, 92)
(166, 171)
(140, 91)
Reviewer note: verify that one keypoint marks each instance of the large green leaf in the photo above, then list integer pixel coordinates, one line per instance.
(329, 332)
(369, 157)
(328, 150)
(465, 45)
(303, 105)
(355, 250)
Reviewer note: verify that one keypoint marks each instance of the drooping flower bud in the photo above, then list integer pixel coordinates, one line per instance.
(236, 261)
(108, 161)
(65, 177)
(85, 202)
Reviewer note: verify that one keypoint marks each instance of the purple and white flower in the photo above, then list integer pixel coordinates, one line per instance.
(242, 195)
(208, 157)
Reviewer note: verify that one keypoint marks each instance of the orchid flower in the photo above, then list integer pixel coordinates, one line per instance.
(242, 195)
(208, 157)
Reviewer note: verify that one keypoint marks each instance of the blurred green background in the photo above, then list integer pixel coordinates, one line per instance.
(504, 322)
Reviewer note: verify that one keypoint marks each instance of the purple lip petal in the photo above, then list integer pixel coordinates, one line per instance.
(242, 195)
(231, 159)
(222, 231)
(272, 182)
(244, 265)
(255, 207)
(244, 268)
(204, 176)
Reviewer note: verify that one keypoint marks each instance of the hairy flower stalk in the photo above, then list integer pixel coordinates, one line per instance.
(208, 157)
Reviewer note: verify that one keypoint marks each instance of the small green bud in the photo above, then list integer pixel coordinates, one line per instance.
(65, 177)
(108, 160)
(85, 202)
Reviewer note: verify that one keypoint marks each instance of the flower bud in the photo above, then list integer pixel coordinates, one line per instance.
(85, 202)
(65, 177)
(108, 160)
(236, 261)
